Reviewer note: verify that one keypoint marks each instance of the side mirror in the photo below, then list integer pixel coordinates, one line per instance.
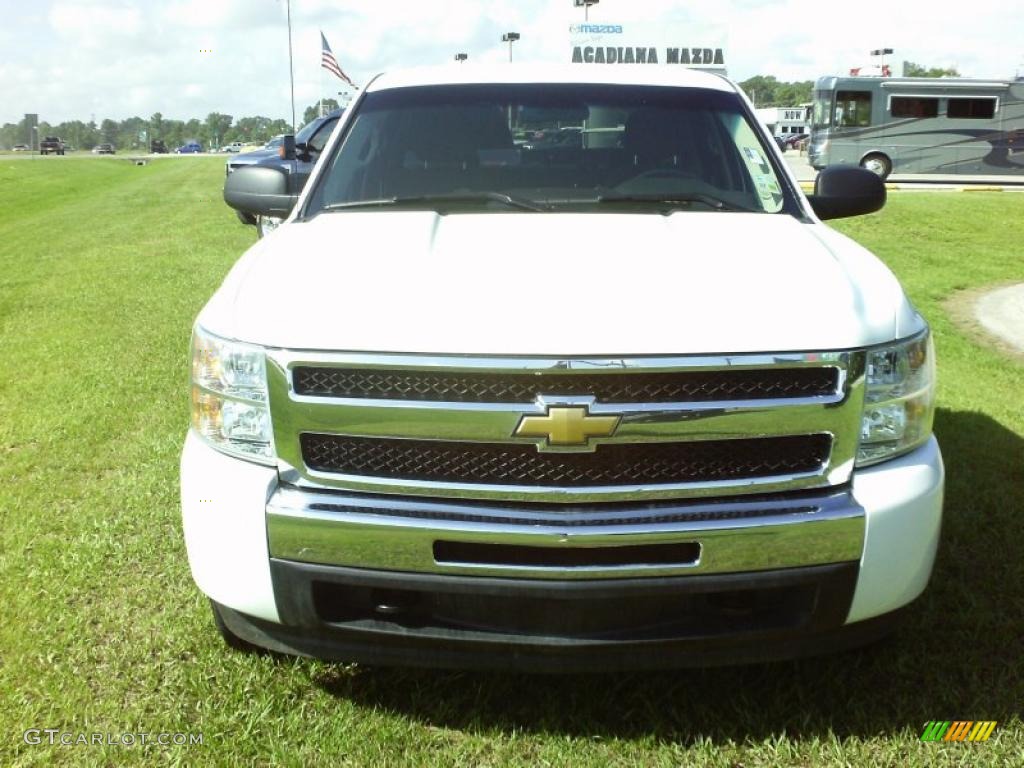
(260, 191)
(842, 190)
(287, 148)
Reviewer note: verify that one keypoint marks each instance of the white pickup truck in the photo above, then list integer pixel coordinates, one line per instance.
(623, 401)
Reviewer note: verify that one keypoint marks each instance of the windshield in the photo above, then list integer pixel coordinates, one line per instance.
(548, 147)
(822, 109)
(307, 131)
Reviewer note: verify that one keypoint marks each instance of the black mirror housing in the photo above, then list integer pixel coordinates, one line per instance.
(260, 191)
(288, 148)
(841, 191)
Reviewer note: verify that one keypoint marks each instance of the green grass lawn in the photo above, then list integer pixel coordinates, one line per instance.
(104, 265)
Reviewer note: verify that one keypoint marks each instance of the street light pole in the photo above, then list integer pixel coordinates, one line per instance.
(510, 37)
(586, 7)
(291, 66)
(881, 52)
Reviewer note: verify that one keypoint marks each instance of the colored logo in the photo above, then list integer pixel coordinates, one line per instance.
(595, 29)
(569, 425)
(958, 730)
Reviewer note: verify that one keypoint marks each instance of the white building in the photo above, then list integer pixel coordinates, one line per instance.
(786, 121)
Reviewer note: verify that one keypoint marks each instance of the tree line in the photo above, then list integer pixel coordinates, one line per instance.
(767, 91)
(136, 132)
(219, 129)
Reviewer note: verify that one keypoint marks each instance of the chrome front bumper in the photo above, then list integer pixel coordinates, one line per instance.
(775, 576)
(530, 541)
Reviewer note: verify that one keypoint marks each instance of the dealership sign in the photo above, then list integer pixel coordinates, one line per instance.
(647, 44)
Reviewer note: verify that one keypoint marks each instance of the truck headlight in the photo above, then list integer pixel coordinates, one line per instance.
(229, 397)
(899, 400)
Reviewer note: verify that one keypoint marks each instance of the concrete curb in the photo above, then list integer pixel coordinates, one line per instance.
(1001, 313)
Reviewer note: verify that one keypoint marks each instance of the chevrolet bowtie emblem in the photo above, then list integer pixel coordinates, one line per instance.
(567, 425)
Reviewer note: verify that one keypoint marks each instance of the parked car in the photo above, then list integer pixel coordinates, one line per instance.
(191, 148)
(157, 147)
(103, 149)
(780, 141)
(51, 145)
(793, 140)
(21, 148)
(309, 142)
(587, 408)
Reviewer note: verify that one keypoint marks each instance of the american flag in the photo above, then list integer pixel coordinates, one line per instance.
(328, 62)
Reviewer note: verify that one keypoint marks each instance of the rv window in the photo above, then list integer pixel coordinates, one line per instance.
(913, 106)
(853, 108)
(822, 105)
(980, 109)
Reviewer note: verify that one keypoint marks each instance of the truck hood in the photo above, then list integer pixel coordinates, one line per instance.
(562, 284)
(251, 158)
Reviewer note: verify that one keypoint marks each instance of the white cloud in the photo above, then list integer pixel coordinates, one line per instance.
(96, 26)
(68, 58)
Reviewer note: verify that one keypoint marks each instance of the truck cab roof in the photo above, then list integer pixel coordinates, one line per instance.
(550, 73)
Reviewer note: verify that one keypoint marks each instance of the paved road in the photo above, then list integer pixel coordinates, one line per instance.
(804, 173)
(126, 155)
(1002, 313)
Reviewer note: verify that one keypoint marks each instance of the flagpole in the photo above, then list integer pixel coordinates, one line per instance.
(291, 66)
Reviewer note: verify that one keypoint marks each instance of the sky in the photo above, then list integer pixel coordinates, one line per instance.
(75, 59)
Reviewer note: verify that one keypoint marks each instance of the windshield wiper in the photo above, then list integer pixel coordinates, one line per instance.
(675, 200)
(453, 197)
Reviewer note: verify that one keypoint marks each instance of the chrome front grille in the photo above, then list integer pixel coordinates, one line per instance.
(446, 426)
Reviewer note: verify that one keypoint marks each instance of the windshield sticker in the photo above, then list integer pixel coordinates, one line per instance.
(767, 186)
(754, 157)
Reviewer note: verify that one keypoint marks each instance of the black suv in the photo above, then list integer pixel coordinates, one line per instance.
(157, 147)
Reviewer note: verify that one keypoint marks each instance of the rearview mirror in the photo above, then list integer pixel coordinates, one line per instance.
(260, 191)
(842, 190)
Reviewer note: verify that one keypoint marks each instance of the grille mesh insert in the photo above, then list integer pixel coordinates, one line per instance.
(610, 465)
(639, 387)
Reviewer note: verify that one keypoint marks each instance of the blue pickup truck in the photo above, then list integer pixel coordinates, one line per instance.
(309, 143)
